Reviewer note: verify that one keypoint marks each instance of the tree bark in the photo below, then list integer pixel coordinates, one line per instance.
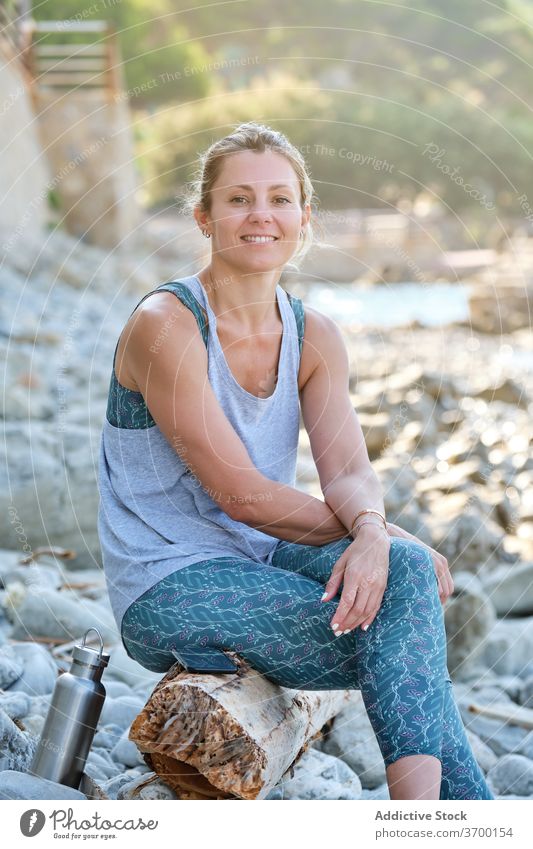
(228, 736)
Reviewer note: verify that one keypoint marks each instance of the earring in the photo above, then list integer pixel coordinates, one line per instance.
(301, 234)
(206, 234)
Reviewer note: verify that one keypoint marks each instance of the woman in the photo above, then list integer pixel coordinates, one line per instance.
(205, 540)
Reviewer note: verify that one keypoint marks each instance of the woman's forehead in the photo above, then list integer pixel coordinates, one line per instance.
(262, 169)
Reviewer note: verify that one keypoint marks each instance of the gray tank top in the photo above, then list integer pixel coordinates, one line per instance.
(154, 516)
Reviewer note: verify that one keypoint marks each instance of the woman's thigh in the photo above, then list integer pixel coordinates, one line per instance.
(271, 615)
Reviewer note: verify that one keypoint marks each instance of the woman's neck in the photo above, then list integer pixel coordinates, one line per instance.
(249, 303)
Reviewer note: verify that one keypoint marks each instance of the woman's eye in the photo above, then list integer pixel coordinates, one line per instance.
(241, 197)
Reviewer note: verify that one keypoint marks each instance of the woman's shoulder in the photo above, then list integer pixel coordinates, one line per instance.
(175, 305)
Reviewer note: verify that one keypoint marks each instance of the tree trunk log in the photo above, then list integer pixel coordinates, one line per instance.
(228, 736)
(513, 714)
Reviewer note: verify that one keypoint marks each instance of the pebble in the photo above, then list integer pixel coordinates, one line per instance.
(59, 615)
(512, 774)
(16, 705)
(126, 752)
(500, 737)
(353, 740)
(16, 746)
(20, 785)
(144, 787)
(318, 776)
(11, 667)
(121, 711)
(40, 671)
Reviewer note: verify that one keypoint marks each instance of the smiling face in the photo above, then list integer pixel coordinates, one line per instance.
(255, 218)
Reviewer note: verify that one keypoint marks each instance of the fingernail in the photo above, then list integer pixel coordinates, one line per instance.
(365, 627)
(324, 596)
(335, 626)
(339, 633)
(347, 632)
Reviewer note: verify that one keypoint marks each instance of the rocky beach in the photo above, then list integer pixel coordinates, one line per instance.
(446, 411)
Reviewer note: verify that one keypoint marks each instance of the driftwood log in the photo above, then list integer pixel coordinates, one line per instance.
(512, 714)
(228, 736)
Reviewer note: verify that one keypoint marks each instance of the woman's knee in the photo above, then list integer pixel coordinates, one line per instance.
(410, 565)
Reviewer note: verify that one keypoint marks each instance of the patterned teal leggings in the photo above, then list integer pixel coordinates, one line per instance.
(273, 616)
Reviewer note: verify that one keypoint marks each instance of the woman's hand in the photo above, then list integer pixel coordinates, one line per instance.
(364, 567)
(440, 563)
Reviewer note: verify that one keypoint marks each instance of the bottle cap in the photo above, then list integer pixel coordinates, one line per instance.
(89, 656)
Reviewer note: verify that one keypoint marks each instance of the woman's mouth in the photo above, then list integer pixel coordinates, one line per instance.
(258, 240)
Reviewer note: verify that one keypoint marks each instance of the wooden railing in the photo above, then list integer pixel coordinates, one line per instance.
(93, 64)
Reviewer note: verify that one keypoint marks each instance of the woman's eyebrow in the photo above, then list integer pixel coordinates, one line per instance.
(276, 186)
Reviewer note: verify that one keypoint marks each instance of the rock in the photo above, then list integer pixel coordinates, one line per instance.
(20, 785)
(501, 738)
(379, 793)
(121, 711)
(91, 788)
(40, 671)
(468, 540)
(508, 648)
(16, 747)
(507, 390)
(11, 667)
(469, 617)
(352, 739)
(147, 786)
(510, 589)
(126, 752)
(102, 764)
(125, 669)
(107, 737)
(113, 785)
(41, 704)
(525, 696)
(47, 613)
(526, 748)
(30, 575)
(376, 429)
(483, 754)
(16, 705)
(56, 494)
(500, 309)
(318, 776)
(33, 724)
(116, 688)
(512, 774)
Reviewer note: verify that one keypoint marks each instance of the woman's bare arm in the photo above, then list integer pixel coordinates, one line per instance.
(174, 383)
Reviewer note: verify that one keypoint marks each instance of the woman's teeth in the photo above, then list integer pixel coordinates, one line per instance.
(259, 238)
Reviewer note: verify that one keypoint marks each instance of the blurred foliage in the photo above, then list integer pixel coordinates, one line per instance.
(362, 87)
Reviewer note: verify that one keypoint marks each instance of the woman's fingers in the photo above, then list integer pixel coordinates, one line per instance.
(335, 579)
(364, 604)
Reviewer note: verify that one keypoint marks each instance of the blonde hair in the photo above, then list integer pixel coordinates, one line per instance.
(250, 136)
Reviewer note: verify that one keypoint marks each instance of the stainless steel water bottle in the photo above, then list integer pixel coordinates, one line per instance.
(72, 718)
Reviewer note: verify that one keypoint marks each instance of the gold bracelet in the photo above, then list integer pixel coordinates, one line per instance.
(370, 523)
(369, 510)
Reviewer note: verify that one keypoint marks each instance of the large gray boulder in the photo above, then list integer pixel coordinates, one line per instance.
(20, 785)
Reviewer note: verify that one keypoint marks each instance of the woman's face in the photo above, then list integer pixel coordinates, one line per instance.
(256, 194)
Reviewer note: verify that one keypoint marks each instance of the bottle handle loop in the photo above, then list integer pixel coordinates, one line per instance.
(99, 637)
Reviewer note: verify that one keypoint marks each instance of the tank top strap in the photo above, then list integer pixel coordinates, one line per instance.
(299, 314)
(184, 293)
(126, 408)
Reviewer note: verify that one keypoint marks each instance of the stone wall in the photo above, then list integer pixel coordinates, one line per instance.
(25, 174)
